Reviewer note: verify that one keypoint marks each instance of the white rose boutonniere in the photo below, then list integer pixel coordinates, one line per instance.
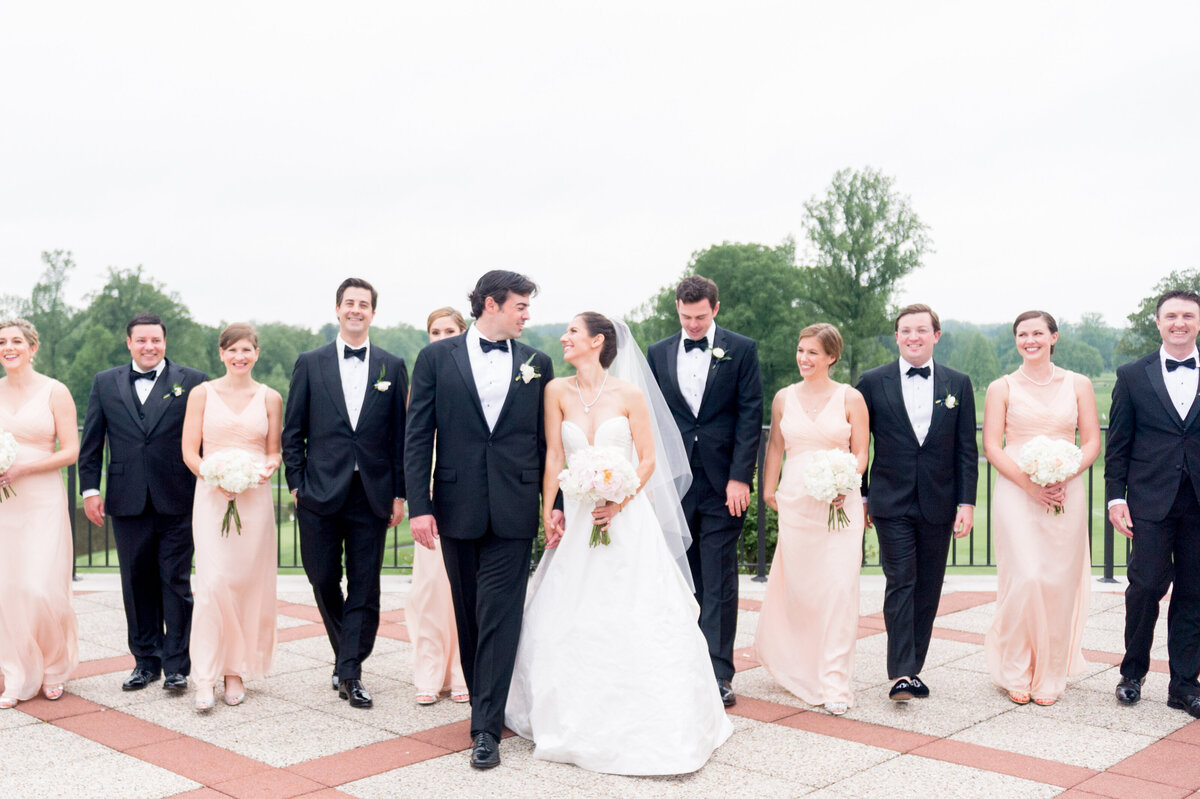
(176, 391)
(528, 372)
(950, 401)
(718, 355)
(380, 383)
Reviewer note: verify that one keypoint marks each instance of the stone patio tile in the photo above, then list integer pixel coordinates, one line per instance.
(913, 777)
(1170, 762)
(959, 699)
(1102, 600)
(90, 650)
(869, 602)
(452, 776)
(1118, 786)
(104, 776)
(716, 780)
(15, 718)
(298, 597)
(44, 748)
(105, 689)
(287, 661)
(317, 648)
(397, 665)
(396, 712)
(1148, 717)
(972, 620)
(1108, 620)
(797, 756)
(179, 713)
(283, 621)
(1027, 731)
(291, 738)
(759, 684)
(268, 785)
(367, 761)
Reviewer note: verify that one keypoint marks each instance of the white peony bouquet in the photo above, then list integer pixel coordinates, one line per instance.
(1049, 460)
(231, 470)
(8, 456)
(599, 475)
(831, 473)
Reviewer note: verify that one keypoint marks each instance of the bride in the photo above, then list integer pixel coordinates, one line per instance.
(612, 671)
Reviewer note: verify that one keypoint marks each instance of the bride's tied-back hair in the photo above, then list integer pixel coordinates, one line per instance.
(1045, 317)
(599, 325)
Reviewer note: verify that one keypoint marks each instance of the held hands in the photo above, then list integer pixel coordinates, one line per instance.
(964, 520)
(737, 497)
(267, 470)
(555, 525)
(93, 508)
(1122, 522)
(867, 522)
(424, 529)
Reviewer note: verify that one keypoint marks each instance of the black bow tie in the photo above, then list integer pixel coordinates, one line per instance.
(690, 344)
(135, 376)
(360, 353)
(919, 371)
(488, 346)
(1172, 365)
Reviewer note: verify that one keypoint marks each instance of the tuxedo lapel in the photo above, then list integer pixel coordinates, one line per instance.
(463, 360)
(373, 368)
(672, 358)
(941, 389)
(159, 397)
(1154, 375)
(895, 399)
(720, 341)
(125, 390)
(519, 355)
(331, 378)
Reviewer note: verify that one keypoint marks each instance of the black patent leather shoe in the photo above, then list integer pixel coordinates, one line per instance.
(486, 751)
(175, 682)
(354, 691)
(919, 689)
(902, 691)
(336, 681)
(1129, 691)
(1189, 703)
(138, 679)
(728, 697)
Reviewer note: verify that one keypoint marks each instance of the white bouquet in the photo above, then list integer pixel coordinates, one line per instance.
(8, 456)
(599, 475)
(1049, 460)
(832, 473)
(231, 470)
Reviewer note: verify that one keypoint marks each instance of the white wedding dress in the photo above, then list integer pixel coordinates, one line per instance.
(612, 671)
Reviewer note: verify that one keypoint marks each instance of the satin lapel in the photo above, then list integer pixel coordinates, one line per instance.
(1154, 375)
(373, 367)
(463, 360)
(895, 398)
(160, 396)
(125, 389)
(519, 353)
(941, 389)
(331, 378)
(673, 371)
(721, 340)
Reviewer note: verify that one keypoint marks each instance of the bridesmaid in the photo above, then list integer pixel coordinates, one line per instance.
(1042, 558)
(38, 646)
(429, 613)
(233, 624)
(809, 620)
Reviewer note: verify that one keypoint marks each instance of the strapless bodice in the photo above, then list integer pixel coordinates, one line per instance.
(612, 432)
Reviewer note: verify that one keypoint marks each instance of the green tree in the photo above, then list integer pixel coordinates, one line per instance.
(976, 356)
(866, 238)
(49, 312)
(279, 345)
(1093, 330)
(1142, 335)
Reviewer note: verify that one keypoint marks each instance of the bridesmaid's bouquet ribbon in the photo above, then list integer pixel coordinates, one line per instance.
(8, 456)
(1049, 460)
(234, 471)
(599, 475)
(832, 473)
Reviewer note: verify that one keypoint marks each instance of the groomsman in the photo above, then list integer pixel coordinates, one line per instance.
(343, 448)
(710, 379)
(138, 409)
(921, 486)
(1152, 482)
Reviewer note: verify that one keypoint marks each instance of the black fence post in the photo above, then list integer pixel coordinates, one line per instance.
(71, 485)
(760, 575)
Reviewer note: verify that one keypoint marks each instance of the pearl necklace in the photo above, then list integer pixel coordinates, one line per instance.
(587, 406)
(1053, 369)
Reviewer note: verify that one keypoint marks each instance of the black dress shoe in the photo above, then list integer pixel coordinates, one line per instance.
(1189, 703)
(175, 682)
(728, 697)
(486, 751)
(919, 689)
(336, 681)
(902, 691)
(138, 679)
(354, 691)
(1129, 691)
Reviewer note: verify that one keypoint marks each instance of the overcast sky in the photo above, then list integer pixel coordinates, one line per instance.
(250, 155)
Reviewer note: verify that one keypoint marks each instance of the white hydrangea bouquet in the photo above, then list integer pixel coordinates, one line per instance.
(832, 473)
(599, 475)
(8, 456)
(1049, 460)
(231, 470)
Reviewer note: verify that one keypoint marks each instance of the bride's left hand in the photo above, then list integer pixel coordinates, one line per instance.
(604, 514)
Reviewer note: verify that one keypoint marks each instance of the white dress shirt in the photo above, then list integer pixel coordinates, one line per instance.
(354, 379)
(143, 387)
(1181, 384)
(493, 375)
(918, 398)
(693, 368)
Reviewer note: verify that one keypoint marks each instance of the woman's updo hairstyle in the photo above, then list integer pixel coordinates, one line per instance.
(599, 325)
(1051, 325)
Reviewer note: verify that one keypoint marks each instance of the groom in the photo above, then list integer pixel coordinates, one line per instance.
(479, 396)
(1152, 477)
(710, 379)
(343, 447)
(922, 486)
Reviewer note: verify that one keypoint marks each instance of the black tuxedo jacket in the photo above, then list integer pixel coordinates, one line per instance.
(320, 448)
(145, 453)
(1150, 448)
(727, 428)
(936, 476)
(482, 477)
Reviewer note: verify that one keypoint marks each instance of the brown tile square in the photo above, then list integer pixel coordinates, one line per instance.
(90, 668)
(958, 635)
(762, 710)
(68, 705)
(367, 761)
(1188, 735)
(299, 611)
(397, 632)
(394, 616)
(328, 793)
(1001, 762)
(200, 793)
(115, 729)
(1075, 793)
(454, 737)
(1118, 786)
(955, 601)
(272, 784)
(197, 760)
(749, 604)
(1166, 761)
(744, 659)
(857, 731)
(301, 631)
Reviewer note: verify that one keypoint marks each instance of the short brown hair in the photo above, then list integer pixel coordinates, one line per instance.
(696, 288)
(828, 336)
(357, 283)
(918, 307)
(447, 311)
(25, 326)
(1045, 317)
(238, 331)
(1177, 294)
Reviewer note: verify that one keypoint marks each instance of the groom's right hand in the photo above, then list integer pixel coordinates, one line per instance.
(1122, 522)
(93, 508)
(424, 529)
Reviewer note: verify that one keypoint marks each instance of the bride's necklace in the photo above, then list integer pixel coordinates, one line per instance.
(1053, 369)
(587, 406)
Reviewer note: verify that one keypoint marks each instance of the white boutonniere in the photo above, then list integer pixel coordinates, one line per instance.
(176, 391)
(949, 401)
(528, 371)
(718, 355)
(381, 384)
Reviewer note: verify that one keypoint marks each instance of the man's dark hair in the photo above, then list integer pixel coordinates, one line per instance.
(357, 283)
(696, 288)
(498, 284)
(1177, 294)
(918, 307)
(145, 319)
